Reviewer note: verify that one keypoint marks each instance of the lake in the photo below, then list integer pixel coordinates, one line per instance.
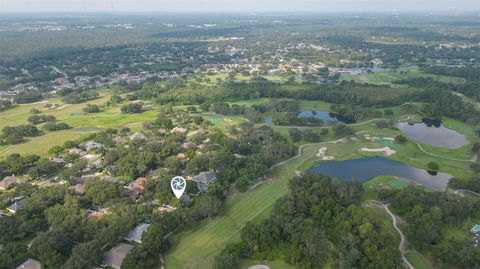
(433, 134)
(366, 169)
(325, 116)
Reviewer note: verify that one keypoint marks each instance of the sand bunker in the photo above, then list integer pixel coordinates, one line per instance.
(321, 151)
(328, 158)
(227, 119)
(260, 266)
(388, 151)
(388, 138)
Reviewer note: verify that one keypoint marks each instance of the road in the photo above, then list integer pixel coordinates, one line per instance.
(403, 241)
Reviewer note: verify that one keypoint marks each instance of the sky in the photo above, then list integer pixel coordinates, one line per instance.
(236, 5)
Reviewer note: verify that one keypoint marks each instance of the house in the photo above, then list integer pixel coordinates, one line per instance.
(76, 151)
(30, 264)
(166, 208)
(115, 256)
(78, 189)
(137, 187)
(162, 131)
(92, 146)
(179, 130)
(119, 140)
(17, 205)
(58, 160)
(97, 212)
(138, 136)
(10, 180)
(135, 235)
(203, 180)
(115, 180)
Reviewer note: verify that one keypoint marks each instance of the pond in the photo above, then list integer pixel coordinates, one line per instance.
(366, 169)
(433, 133)
(325, 116)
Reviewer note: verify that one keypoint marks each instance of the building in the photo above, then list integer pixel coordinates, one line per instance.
(136, 188)
(135, 235)
(115, 256)
(10, 180)
(203, 180)
(30, 264)
(92, 146)
(119, 140)
(179, 130)
(138, 136)
(17, 205)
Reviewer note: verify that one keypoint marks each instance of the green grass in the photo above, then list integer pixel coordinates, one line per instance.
(389, 76)
(223, 121)
(386, 182)
(82, 123)
(197, 248)
(418, 260)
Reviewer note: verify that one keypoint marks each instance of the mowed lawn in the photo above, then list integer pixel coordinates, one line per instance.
(389, 76)
(417, 260)
(82, 123)
(197, 248)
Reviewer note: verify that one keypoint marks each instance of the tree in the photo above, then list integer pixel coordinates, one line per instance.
(295, 134)
(35, 111)
(433, 166)
(476, 147)
(141, 258)
(400, 139)
(5, 104)
(388, 112)
(91, 108)
(310, 136)
(132, 108)
(206, 206)
(98, 192)
(343, 130)
(154, 238)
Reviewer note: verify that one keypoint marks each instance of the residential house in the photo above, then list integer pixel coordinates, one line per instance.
(136, 188)
(203, 180)
(135, 235)
(138, 136)
(119, 140)
(115, 256)
(30, 264)
(179, 130)
(91, 145)
(78, 189)
(17, 205)
(10, 180)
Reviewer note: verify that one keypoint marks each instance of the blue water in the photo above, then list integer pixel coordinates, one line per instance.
(437, 136)
(325, 116)
(366, 169)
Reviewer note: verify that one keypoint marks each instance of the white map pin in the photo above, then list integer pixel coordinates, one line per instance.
(178, 186)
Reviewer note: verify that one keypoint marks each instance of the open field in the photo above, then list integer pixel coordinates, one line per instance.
(389, 76)
(386, 182)
(82, 123)
(418, 260)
